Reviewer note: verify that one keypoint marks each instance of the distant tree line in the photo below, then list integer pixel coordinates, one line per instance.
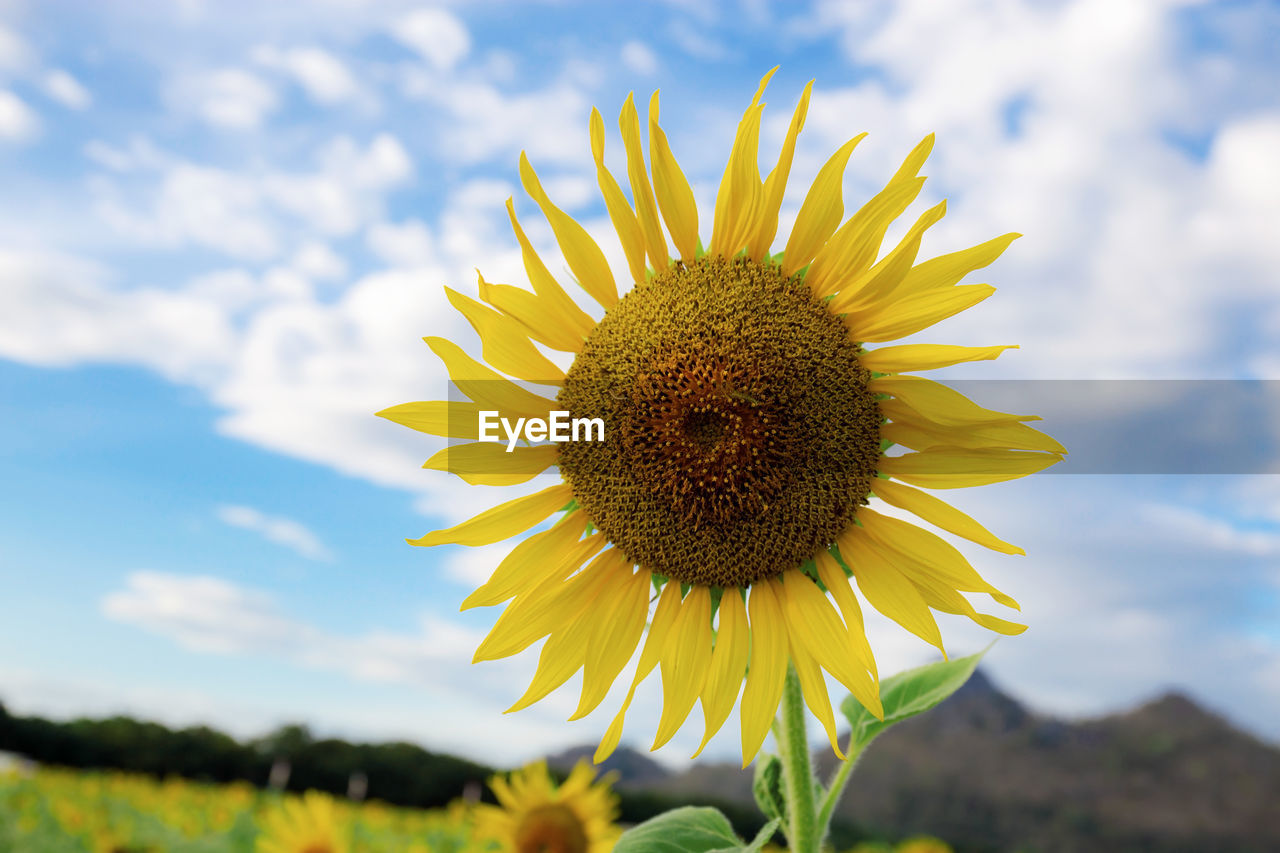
(399, 773)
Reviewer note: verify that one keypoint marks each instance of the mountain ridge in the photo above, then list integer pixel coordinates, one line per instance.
(986, 773)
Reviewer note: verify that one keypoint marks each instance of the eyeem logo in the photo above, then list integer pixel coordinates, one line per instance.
(559, 427)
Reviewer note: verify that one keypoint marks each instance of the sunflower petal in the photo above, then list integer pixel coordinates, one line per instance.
(936, 402)
(775, 185)
(487, 463)
(685, 662)
(437, 417)
(814, 689)
(956, 467)
(940, 514)
(505, 343)
(502, 521)
(581, 253)
(551, 296)
(728, 664)
(918, 433)
(911, 357)
(531, 562)
(887, 589)
(675, 197)
(892, 320)
(660, 630)
(837, 583)
(641, 190)
(484, 386)
(738, 199)
(813, 622)
(565, 651)
(768, 668)
(543, 609)
(943, 598)
(820, 211)
(620, 213)
(853, 248)
(880, 282)
(947, 270)
(934, 555)
(535, 315)
(617, 633)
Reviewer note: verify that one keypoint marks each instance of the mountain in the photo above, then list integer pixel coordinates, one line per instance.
(987, 774)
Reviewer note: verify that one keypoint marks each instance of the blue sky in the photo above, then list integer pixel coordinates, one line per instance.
(225, 226)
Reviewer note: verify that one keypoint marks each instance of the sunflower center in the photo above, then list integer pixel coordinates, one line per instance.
(740, 436)
(551, 829)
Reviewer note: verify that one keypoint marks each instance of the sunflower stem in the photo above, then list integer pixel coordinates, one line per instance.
(802, 831)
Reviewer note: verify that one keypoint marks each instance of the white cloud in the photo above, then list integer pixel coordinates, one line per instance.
(325, 78)
(637, 56)
(436, 34)
(318, 261)
(694, 41)
(67, 90)
(484, 123)
(14, 53)
(407, 244)
(291, 534)
(246, 214)
(229, 98)
(18, 122)
(56, 310)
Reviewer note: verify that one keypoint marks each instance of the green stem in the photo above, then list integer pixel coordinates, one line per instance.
(852, 753)
(793, 748)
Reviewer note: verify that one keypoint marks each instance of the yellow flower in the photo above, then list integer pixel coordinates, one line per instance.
(534, 816)
(923, 844)
(306, 824)
(744, 432)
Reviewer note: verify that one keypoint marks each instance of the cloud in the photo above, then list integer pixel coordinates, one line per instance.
(436, 34)
(282, 531)
(67, 90)
(247, 214)
(325, 78)
(407, 244)
(18, 122)
(56, 310)
(637, 56)
(316, 260)
(14, 54)
(228, 98)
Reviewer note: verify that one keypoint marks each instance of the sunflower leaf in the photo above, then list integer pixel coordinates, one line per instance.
(757, 844)
(690, 829)
(768, 789)
(909, 693)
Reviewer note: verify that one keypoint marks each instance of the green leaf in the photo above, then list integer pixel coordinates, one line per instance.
(767, 788)
(691, 829)
(909, 693)
(757, 844)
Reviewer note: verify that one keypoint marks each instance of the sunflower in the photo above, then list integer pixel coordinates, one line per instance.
(536, 816)
(746, 428)
(306, 824)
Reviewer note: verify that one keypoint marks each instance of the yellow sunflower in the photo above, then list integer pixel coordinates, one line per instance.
(745, 424)
(536, 816)
(306, 824)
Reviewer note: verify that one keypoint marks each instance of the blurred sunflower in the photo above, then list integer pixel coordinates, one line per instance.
(306, 824)
(746, 425)
(536, 816)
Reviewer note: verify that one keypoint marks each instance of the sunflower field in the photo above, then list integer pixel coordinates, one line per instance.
(53, 810)
(65, 811)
